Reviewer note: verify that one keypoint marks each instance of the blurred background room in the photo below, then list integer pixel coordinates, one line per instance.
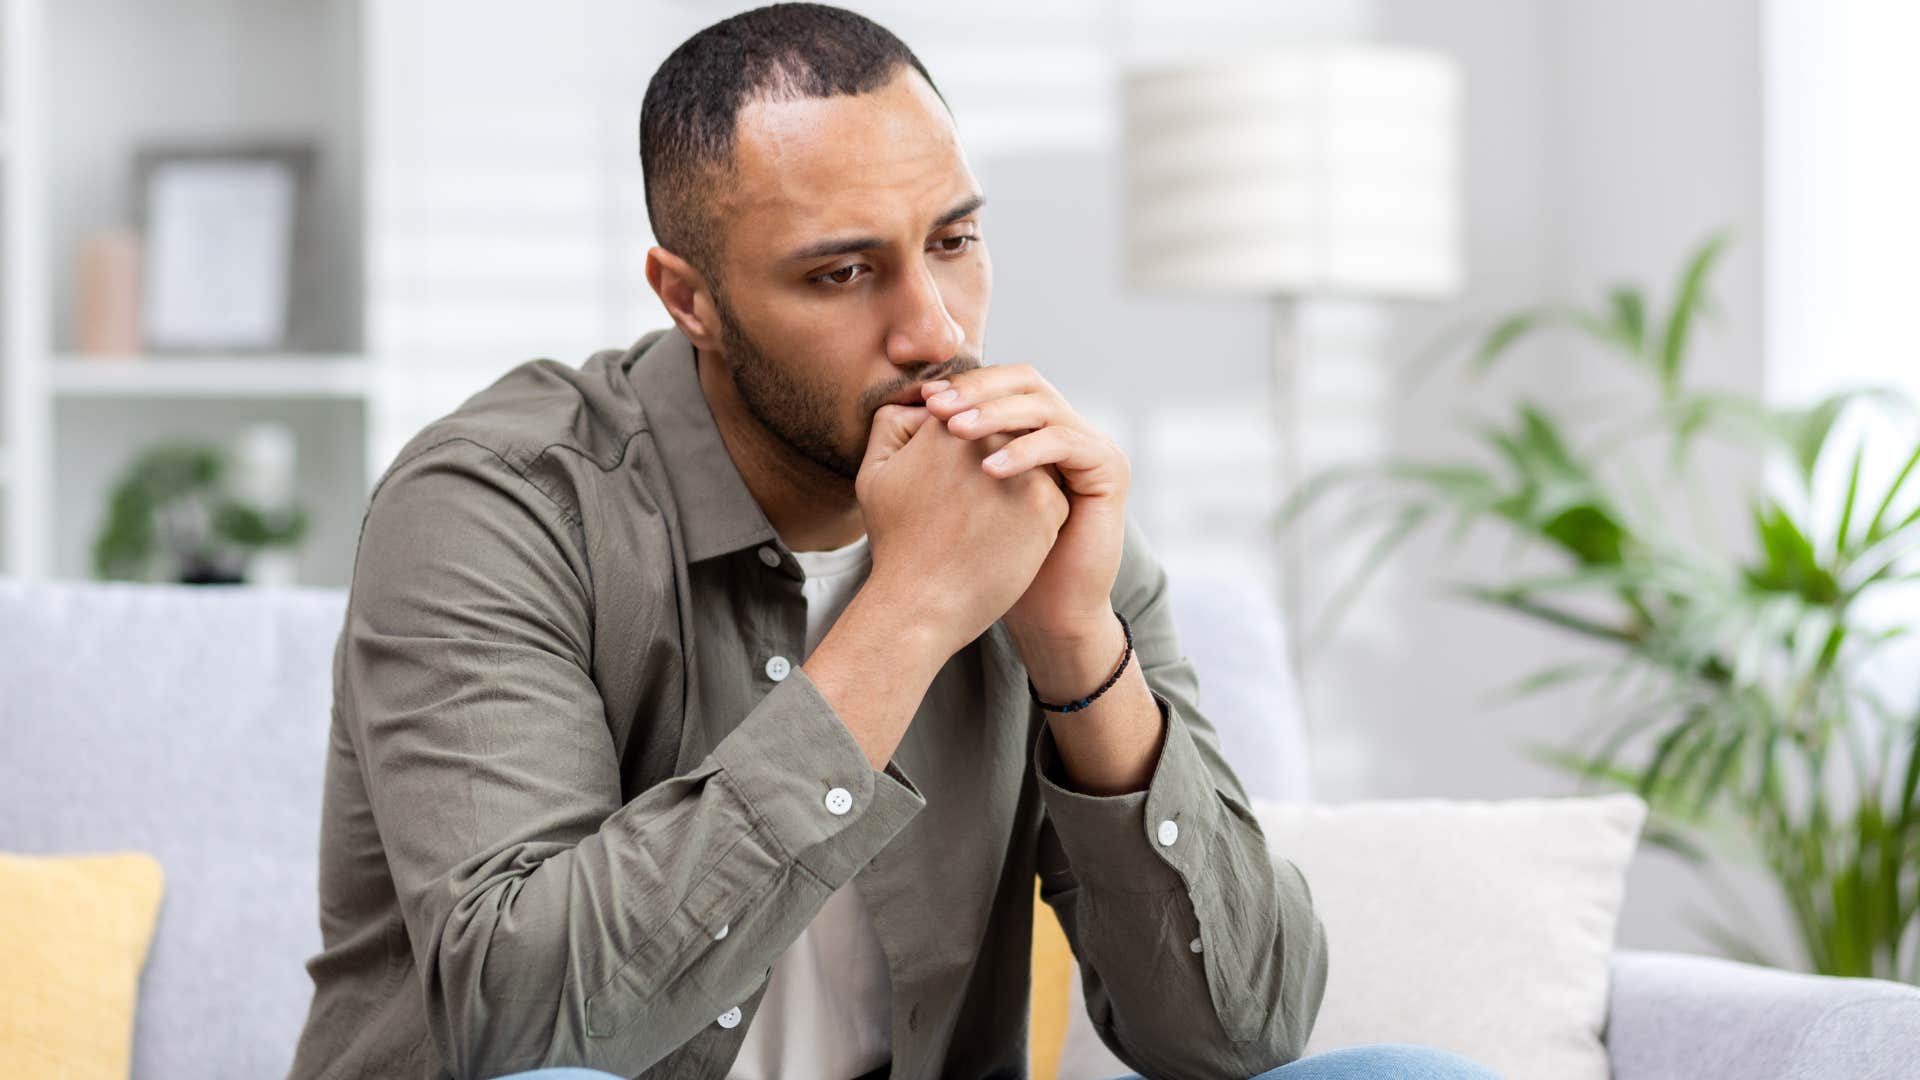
(1513, 350)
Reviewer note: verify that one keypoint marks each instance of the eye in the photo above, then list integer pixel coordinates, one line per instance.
(840, 276)
(948, 246)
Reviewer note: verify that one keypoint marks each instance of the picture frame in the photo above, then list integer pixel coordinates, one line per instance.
(223, 228)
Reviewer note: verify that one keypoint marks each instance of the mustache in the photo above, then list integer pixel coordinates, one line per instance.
(881, 395)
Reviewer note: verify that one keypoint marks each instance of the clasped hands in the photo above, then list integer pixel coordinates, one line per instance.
(1063, 622)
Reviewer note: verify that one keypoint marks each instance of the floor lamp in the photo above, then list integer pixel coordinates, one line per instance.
(1314, 177)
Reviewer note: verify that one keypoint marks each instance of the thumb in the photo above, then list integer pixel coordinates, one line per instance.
(893, 426)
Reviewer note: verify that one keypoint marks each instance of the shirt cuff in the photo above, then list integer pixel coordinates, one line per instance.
(804, 775)
(1140, 841)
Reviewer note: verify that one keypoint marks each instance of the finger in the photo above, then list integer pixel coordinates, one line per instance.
(964, 388)
(1018, 412)
(1090, 465)
(892, 426)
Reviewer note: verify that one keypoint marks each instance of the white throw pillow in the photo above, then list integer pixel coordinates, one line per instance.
(1481, 927)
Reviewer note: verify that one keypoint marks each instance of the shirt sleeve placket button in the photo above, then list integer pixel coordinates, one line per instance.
(839, 800)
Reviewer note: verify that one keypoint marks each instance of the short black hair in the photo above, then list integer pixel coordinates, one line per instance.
(779, 52)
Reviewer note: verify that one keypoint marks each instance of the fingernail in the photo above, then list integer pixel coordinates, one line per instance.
(944, 397)
(996, 460)
(937, 384)
(968, 416)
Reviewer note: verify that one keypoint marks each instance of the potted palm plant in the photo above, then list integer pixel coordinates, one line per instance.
(1748, 676)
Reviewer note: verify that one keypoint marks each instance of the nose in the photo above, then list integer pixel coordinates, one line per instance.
(924, 332)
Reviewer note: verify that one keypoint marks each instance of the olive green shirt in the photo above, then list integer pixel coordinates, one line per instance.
(580, 793)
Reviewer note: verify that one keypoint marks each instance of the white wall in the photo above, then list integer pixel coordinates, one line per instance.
(1843, 222)
(509, 219)
(1601, 141)
(1604, 141)
(1843, 225)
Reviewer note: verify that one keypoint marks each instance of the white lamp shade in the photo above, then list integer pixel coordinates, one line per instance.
(1321, 169)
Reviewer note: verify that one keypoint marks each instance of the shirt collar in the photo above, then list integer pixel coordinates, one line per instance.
(717, 513)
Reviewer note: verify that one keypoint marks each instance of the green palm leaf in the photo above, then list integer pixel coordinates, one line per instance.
(1728, 673)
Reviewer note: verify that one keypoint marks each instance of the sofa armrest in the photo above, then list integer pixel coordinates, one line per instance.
(1674, 1016)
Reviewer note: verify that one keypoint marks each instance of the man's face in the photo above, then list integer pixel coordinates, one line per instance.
(854, 265)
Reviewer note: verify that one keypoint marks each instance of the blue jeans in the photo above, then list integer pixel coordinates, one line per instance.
(1375, 1061)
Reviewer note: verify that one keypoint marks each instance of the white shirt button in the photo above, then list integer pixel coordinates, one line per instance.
(778, 668)
(730, 1018)
(722, 932)
(1168, 833)
(839, 801)
(1194, 945)
(769, 556)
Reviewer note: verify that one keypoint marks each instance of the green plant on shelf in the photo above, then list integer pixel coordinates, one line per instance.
(170, 512)
(1743, 677)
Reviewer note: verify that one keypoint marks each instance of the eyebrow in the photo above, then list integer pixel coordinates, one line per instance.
(827, 248)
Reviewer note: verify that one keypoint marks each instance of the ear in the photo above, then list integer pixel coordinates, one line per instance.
(686, 295)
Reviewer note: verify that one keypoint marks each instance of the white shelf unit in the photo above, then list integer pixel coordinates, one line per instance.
(87, 83)
(286, 376)
(23, 341)
(466, 218)
(478, 206)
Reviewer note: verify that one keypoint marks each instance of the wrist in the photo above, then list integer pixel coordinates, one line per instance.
(1066, 667)
(901, 624)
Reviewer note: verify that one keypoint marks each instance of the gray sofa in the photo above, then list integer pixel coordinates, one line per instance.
(191, 722)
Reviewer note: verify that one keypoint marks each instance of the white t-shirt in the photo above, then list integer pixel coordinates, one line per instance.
(828, 1010)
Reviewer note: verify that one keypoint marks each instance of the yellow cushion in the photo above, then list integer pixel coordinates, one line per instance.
(1053, 968)
(74, 931)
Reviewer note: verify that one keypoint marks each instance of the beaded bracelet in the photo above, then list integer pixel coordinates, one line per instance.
(1076, 706)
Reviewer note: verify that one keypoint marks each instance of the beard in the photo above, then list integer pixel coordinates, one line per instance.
(802, 415)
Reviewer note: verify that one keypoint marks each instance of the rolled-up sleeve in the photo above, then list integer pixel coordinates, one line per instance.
(1137, 879)
(551, 922)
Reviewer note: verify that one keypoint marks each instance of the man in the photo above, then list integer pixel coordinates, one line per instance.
(689, 703)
